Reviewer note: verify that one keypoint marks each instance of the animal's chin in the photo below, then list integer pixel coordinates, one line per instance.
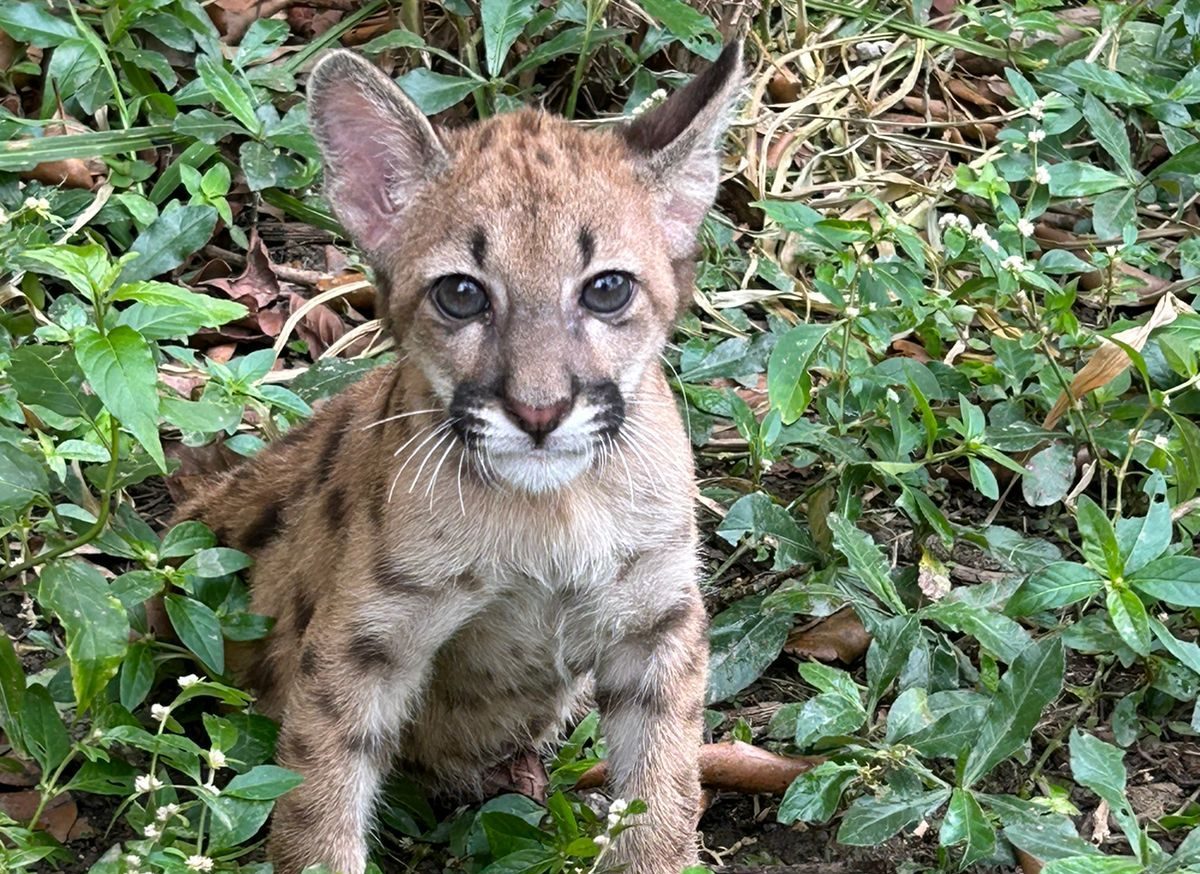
(539, 469)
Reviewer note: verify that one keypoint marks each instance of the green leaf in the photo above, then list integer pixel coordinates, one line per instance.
(199, 629)
(788, 380)
(1094, 865)
(1048, 476)
(1101, 767)
(1187, 652)
(49, 376)
(891, 646)
(234, 821)
(503, 21)
(1032, 681)
(1077, 179)
(87, 268)
(186, 538)
(178, 232)
(119, 366)
(866, 561)
(212, 312)
(1056, 585)
(22, 479)
(1110, 133)
(1174, 579)
(137, 675)
(263, 783)
(1113, 212)
(996, 633)
(216, 562)
(433, 92)
(1145, 538)
(12, 694)
(744, 641)
(966, 823)
(1106, 84)
(1099, 545)
(31, 21)
(96, 624)
(1128, 615)
(871, 821)
(828, 715)
(25, 154)
(229, 92)
(983, 479)
(682, 20)
(46, 737)
(814, 795)
(1186, 162)
(760, 517)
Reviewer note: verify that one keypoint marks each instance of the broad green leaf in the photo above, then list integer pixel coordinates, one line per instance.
(1032, 681)
(682, 20)
(22, 478)
(1077, 179)
(49, 376)
(12, 693)
(212, 311)
(866, 561)
(757, 516)
(433, 92)
(1056, 585)
(966, 823)
(1048, 476)
(185, 539)
(996, 633)
(199, 629)
(1174, 579)
(892, 645)
(1100, 766)
(1113, 212)
(24, 154)
(983, 479)
(1109, 131)
(1094, 865)
(503, 21)
(217, 561)
(788, 380)
(178, 232)
(814, 795)
(229, 92)
(31, 21)
(828, 714)
(136, 587)
(1145, 538)
(1099, 544)
(871, 821)
(46, 737)
(263, 783)
(137, 675)
(744, 641)
(1106, 84)
(1186, 162)
(87, 268)
(205, 416)
(234, 820)
(1129, 618)
(119, 366)
(96, 624)
(1187, 652)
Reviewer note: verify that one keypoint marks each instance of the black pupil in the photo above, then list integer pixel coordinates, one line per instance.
(607, 292)
(460, 297)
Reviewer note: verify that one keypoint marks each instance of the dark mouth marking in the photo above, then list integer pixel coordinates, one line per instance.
(611, 414)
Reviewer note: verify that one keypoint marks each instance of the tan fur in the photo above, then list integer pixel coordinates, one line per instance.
(439, 609)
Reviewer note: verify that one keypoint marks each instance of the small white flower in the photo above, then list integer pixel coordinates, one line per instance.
(981, 233)
(1013, 263)
(892, 396)
(212, 787)
(144, 783)
(1025, 226)
(43, 205)
(1037, 135)
(160, 712)
(132, 860)
(614, 820)
(152, 831)
(602, 841)
(3, 217)
(852, 312)
(199, 863)
(216, 758)
(30, 203)
(165, 812)
(1162, 441)
(1041, 175)
(619, 806)
(1038, 109)
(188, 680)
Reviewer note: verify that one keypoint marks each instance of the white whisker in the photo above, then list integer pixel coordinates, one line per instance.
(398, 416)
(429, 492)
(428, 455)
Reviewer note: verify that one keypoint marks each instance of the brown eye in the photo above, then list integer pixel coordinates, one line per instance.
(607, 293)
(459, 297)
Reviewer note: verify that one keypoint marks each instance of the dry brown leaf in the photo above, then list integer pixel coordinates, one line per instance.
(932, 577)
(60, 818)
(1100, 827)
(840, 637)
(733, 767)
(15, 772)
(1110, 360)
(1029, 864)
(320, 328)
(71, 173)
(523, 773)
(911, 349)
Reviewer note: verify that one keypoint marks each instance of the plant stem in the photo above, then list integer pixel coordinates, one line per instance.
(110, 479)
(48, 792)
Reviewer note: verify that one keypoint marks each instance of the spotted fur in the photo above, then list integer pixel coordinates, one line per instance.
(448, 589)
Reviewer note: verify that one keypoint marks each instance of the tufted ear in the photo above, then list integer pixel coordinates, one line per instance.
(678, 144)
(379, 149)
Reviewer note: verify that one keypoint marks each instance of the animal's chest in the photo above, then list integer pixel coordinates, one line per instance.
(507, 680)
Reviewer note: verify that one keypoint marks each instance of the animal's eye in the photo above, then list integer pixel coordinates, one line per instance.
(459, 297)
(607, 293)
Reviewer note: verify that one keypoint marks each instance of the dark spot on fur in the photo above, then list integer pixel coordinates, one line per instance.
(530, 121)
(295, 750)
(327, 703)
(612, 700)
(545, 157)
(364, 743)
(308, 661)
(485, 136)
(669, 622)
(267, 525)
(468, 582)
(304, 610)
(395, 582)
(335, 505)
(369, 652)
(260, 676)
(327, 460)
(587, 245)
(478, 246)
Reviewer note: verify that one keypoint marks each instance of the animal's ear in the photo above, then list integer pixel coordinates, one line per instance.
(678, 145)
(379, 149)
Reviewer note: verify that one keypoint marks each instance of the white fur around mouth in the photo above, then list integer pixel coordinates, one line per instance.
(540, 469)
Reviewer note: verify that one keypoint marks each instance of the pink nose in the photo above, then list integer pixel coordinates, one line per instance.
(537, 421)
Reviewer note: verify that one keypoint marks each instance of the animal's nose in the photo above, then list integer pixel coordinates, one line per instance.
(537, 422)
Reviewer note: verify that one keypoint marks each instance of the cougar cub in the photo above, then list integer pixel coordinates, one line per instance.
(466, 549)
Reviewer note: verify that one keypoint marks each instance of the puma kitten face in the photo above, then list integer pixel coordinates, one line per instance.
(530, 270)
